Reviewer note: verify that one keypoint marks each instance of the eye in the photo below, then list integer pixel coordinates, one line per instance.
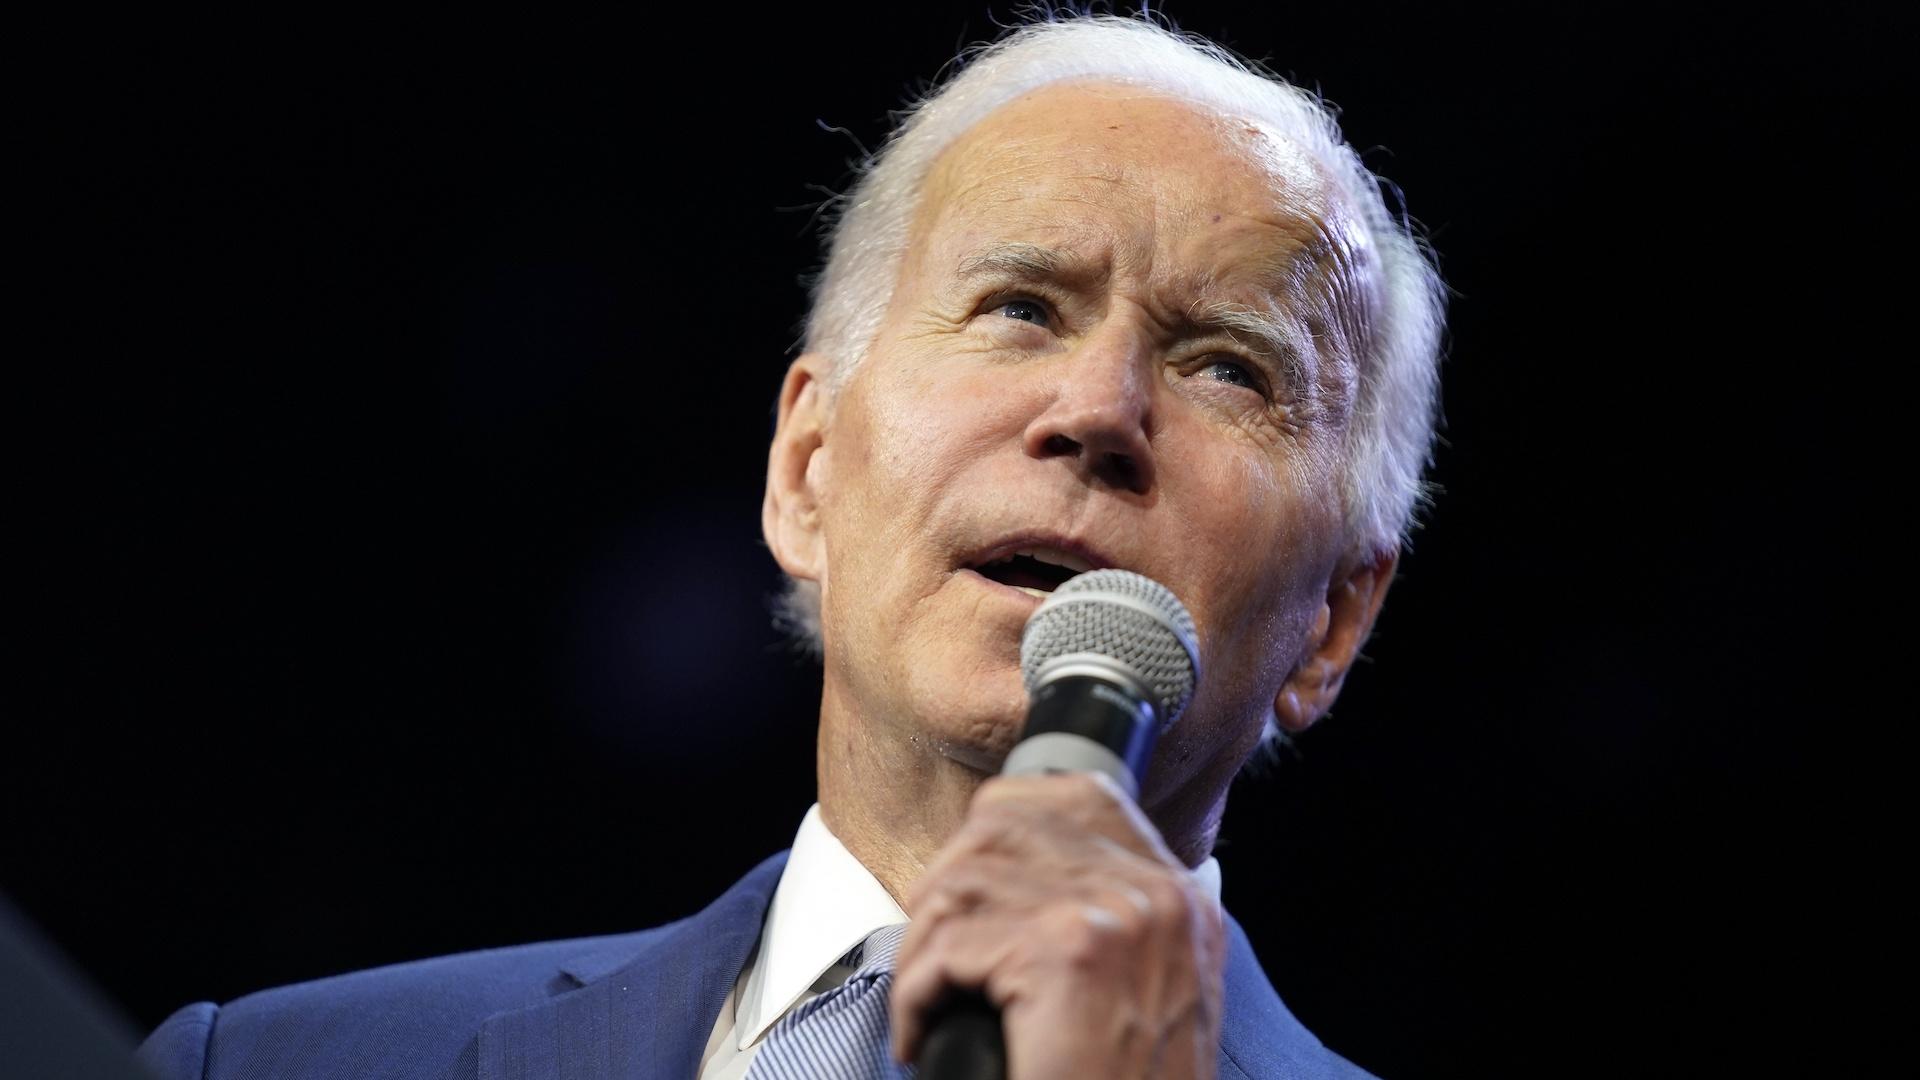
(1228, 371)
(1025, 309)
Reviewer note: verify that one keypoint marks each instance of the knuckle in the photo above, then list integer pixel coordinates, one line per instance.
(1088, 786)
(1130, 920)
(924, 947)
(985, 830)
(933, 904)
(1172, 902)
(1073, 931)
(1091, 795)
(957, 886)
(998, 791)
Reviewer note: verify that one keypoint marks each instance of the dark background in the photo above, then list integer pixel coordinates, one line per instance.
(399, 587)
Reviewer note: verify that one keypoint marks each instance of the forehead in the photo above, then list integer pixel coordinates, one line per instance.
(1131, 171)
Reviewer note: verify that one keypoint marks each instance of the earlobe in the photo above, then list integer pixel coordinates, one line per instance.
(796, 470)
(1341, 627)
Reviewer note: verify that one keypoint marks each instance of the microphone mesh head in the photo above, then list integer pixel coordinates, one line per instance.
(1126, 617)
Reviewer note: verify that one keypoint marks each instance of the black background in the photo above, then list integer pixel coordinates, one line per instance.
(399, 587)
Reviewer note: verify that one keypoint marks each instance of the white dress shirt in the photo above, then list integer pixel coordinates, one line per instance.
(825, 904)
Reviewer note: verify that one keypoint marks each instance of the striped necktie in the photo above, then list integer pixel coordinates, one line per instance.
(843, 1032)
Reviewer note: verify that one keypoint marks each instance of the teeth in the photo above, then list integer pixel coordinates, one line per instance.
(1050, 556)
(1058, 558)
(1033, 592)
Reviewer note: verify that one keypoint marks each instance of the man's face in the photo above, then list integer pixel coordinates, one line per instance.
(1122, 336)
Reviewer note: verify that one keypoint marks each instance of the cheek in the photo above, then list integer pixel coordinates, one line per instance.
(911, 437)
(929, 421)
(1264, 538)
(1233, 523)
(882, 447)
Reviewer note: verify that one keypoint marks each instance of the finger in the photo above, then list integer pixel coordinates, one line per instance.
(1041, 817)
(1068, 946)
(1082, 803)
(1015, 836)
(965, 884)
(1070, 867)
(959, 954)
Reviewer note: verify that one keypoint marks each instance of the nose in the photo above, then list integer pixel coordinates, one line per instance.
(1100, 418)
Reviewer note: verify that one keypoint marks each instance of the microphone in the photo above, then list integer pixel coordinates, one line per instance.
(1110, 659)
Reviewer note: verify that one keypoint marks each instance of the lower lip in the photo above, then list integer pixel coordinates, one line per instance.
(1021, 595)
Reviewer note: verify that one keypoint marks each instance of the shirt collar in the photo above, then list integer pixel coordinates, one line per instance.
(827, 903)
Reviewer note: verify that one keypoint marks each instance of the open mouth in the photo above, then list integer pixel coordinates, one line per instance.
(1034, 570)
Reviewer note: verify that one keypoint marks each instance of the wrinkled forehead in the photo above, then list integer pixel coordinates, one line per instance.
(1040, 160)
(1110, 123)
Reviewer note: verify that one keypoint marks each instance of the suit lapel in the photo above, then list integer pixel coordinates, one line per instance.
(642, 1009)
(1258, 1034)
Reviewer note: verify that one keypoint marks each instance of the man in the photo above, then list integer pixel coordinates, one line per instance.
(1107, 299)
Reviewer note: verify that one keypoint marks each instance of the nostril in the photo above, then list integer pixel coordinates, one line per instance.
(1117, 468)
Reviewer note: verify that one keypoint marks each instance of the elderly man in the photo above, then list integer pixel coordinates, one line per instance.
(1108, 299)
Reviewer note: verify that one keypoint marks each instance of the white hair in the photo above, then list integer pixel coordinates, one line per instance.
(1390, 430)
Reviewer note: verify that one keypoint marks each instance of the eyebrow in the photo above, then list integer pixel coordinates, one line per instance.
(1265, 333)
(1017, 260)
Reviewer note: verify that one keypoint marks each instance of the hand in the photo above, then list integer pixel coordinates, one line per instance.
(1058, 899)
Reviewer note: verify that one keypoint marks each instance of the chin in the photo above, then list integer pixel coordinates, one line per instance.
(972, 714)
(982, 748)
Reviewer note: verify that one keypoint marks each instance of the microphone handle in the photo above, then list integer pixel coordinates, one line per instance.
(1079, 723)
(964, 1040)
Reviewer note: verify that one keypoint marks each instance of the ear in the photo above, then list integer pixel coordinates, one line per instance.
(796, 468)
(1345, 620)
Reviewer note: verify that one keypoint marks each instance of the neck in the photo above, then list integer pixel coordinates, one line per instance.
(896, 828)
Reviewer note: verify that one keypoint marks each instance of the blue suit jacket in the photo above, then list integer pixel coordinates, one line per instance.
(628, 1007)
